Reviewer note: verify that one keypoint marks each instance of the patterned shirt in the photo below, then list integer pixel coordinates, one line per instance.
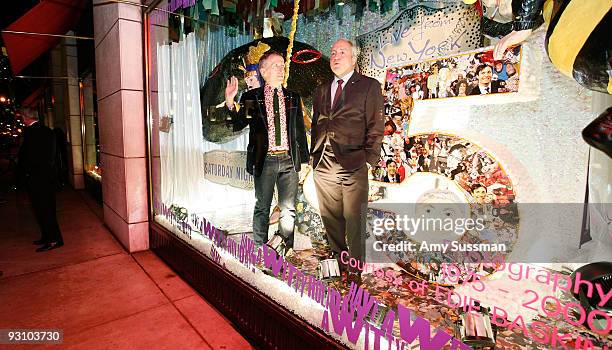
(269, 99)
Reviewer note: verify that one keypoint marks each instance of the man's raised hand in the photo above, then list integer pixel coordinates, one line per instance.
(231, 90)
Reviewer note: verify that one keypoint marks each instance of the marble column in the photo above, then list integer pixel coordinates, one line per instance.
(121, 120)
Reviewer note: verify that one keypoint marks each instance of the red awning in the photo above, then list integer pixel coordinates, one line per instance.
(36, 95)
(49, 17)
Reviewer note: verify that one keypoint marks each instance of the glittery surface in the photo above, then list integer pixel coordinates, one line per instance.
(417, 34)
(322, 30)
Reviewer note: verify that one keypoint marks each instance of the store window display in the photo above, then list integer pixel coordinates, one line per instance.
(474, 159)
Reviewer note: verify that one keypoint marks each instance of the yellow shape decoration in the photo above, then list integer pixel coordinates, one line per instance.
(254, 54)
(573, 29)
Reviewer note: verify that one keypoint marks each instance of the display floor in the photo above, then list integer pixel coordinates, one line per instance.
(500, 290)
(427, 305)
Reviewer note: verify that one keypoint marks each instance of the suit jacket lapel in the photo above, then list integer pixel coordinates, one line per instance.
(260, 99)
(325, 99)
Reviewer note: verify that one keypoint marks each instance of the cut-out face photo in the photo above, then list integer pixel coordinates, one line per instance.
(252, 81)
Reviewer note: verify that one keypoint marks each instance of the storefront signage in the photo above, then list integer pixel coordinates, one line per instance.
(227, 168)
(419, 33)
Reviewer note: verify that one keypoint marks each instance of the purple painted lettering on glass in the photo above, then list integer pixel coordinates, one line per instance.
(377, 334)
(292, 270)
(421, 329)
(387, 325)
(342, 319)
(272, 260)
(367, 303)
(209, 229)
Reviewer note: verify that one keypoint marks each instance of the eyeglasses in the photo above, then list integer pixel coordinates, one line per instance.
(275, 66)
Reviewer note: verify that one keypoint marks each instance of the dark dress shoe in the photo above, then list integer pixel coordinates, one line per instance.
(39, 242)
(49, 246)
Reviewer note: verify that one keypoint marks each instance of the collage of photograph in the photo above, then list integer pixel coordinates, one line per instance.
(464, 75)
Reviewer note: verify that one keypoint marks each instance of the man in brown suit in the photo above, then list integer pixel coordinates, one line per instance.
(347, 132)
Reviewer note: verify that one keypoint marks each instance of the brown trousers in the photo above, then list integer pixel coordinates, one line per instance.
(342, 194)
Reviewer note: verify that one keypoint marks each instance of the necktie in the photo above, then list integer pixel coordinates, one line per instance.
(486, 90)
(338, 92)
(277, 126)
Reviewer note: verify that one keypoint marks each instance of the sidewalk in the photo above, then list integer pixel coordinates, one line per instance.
(99, 295)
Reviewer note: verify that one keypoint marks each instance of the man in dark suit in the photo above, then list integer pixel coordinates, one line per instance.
(392, 175)
(484, 74)
(347, 132)
(37, 167)
(277, 144)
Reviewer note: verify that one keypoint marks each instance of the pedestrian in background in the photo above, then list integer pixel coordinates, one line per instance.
(36, 166)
